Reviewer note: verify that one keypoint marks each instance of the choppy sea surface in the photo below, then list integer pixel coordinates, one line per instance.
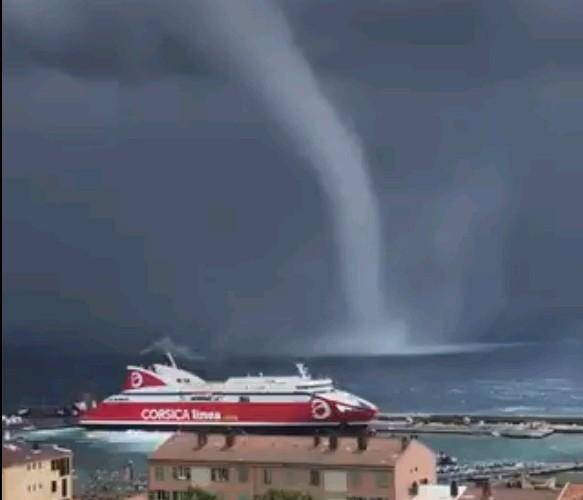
(530, 378)
(526, 379)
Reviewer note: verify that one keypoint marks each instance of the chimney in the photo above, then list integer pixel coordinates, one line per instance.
(317, 440)
(202, 439)
(454, 490)
(333, 442)
(229, 440)
(362, 441)
(486, 490)
(414, 490)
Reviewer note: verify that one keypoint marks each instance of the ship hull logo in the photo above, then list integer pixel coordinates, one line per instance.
(320, 409)
(179, 414)
(136, 379)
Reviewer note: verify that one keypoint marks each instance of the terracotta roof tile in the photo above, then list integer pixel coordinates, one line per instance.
(380, 452)
(21, 453)
(572, 492)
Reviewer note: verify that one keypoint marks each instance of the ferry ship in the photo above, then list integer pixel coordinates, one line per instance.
(166, 396)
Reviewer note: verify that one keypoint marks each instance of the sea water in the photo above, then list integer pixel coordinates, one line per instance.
(526, 379)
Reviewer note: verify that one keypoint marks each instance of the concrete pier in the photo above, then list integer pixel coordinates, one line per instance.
(512, 426)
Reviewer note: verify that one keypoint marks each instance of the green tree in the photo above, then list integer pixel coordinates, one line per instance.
(286, 495)
(198, 494)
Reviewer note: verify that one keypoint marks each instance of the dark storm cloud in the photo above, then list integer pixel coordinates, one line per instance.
(471, 40)
(108, 39)
(443, 44)
(145, 192)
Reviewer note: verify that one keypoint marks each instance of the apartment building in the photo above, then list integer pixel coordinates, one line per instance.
(36, 472)
(326, 468)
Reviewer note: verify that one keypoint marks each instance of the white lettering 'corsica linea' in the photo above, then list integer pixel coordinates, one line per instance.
(178, 414)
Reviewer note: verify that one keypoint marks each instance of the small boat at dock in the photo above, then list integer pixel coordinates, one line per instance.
(530, 430)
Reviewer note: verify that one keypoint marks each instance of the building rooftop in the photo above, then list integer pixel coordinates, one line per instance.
(571, 492)
(16, 453)
(438, 492)
(503, 493)
(379, 452)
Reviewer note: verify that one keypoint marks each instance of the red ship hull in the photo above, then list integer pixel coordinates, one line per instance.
(315, 413)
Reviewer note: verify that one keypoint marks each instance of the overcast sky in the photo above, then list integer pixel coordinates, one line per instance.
(145, 190)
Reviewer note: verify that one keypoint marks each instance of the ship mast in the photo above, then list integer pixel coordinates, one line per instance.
(171, 361)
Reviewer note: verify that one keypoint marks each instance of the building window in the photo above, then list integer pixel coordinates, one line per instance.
(356, 498)
(290, 477)
(267, 476)
(354, 478)
(382, 479)
(53, 486)
(220, 475)
(62, 465)
(244, 399)
(181, 473)
(243, 473)
(159, 473)
(315, 477)
(64, 485)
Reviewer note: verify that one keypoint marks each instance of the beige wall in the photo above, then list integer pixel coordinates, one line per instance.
(32, 482)
(335, 483)
(416, 464)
